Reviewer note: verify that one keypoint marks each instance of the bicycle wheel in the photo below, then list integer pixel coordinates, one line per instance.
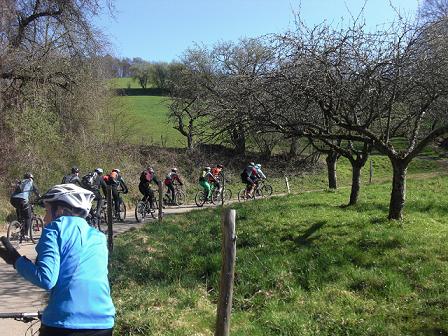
(258, 193)
(180, 197)
(242, 195)
(226, 195)
(122, 212)
(140, 211)
(13, 233)
(267, 190)
(215, 198)
(37, 226)
(199, 199)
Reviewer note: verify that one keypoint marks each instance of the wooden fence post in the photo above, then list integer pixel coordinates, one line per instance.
(160, 201)
(110, 242)
(371, 171)
(287, 184)
(228, 253)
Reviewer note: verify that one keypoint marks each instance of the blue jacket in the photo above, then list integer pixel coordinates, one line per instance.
(72, 264)
(27, 188)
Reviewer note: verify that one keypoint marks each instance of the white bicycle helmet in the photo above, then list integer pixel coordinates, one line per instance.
(116, 170)
(99, 170)
(76, 197)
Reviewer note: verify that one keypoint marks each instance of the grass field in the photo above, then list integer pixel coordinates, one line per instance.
(125, 83)
(148, 116)
(305, 266)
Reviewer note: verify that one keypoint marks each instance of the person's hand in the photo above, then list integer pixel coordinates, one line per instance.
(7, 252)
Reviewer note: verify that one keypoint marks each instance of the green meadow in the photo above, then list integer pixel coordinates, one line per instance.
(305, 266)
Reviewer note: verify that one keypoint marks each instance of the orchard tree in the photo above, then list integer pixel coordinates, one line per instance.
(382, 86)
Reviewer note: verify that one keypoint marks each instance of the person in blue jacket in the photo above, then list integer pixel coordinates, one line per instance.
(71, 263)
(20, 199)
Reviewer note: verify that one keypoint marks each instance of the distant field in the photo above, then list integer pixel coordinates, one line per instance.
(148, 116)
(125, 83)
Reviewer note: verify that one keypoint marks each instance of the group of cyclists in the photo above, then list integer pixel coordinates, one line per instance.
(97, 181)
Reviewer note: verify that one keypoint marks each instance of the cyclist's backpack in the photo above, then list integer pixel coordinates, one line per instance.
(88, 180)
(107, 179)
(18, 186)
(244, 176)
(68, 179)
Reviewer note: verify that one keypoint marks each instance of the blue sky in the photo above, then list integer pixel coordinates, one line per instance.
(160, 30)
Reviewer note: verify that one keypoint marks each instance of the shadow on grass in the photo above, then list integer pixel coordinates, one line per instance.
(305, 238)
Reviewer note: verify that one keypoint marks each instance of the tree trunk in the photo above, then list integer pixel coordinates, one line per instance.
(293, 148)
(190, 134)
(331, 160)
(239, 140)
(398, 194)
(356, 182)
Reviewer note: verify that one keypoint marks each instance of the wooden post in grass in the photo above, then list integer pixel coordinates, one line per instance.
(160, 202)
(228, 253)
(110, 242)
(371, 171)
(287, 184)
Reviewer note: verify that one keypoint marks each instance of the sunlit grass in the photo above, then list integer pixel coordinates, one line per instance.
(305, 266)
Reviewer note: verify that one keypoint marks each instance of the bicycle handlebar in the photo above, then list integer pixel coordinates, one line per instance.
(24, 316)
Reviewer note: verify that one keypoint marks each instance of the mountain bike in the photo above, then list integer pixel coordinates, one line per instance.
(243, 195)
(32, 318)
(143, 209)
(216, 196)
(179, 196)
(266, 189)
(15, 234)
(201, 197)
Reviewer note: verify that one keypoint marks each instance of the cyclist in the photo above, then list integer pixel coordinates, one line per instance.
(169, 182)
(94, 182)
(115, 180)
(73, 177)
(260, 173)
(71, 263)
(249, 176)
(217, 174)
(20, 201)
(146, 177)
(204, 181)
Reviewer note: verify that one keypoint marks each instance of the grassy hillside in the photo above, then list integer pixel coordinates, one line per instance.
(305, 266)
(148, 118)
(125, 83)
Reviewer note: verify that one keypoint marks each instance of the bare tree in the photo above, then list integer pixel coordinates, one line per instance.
(431, 10)
(380, 86)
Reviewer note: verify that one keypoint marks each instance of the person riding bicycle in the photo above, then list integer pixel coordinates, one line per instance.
(204, 181)
(94, 182)
(72, 264)
(169, 182)
(20, 201)
(73, 177)
(249, 177)
(146, 177)
(116, 182)
(260, 174)
(217, 174)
